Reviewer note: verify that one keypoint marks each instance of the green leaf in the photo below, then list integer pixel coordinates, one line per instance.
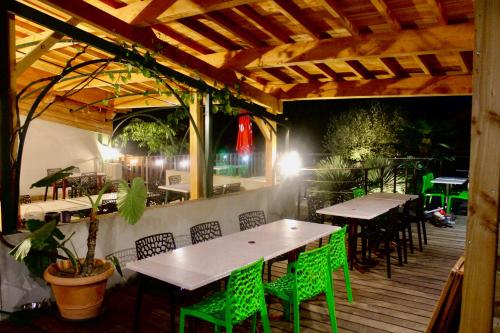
(58, 234)
(51, 179)
(111, 76)
(33, 225)
(131, 201)
(44, 232)
(71, 256)
(21, 250)
(114, 260)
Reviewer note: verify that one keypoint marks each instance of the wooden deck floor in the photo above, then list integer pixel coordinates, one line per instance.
(401, 304)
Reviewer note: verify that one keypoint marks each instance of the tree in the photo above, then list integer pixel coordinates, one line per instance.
(364, 131)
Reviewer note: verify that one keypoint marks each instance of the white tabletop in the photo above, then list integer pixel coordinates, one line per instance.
(52, 206)
(85, 200)
(449, 180)
(182, 187)
(366, 207)
(197, 265)
(99, 174)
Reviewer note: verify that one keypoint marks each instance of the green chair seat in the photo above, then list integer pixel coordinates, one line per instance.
(358, 192)
(243, 298)
(429, 191)
(308, 277)
(463, 195)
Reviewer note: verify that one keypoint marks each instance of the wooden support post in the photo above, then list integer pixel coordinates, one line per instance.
(8, 184)
(271, 144)
(209, 155)
(483, 211)
(196, 163)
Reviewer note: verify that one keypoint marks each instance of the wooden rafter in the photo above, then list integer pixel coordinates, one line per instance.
(393, 67)
(412, 86)
(226, 23)
(192, 44)
(148, 14)
(148, 39)
(279, 74)
(465, 61)
(303, 73)
(328, 71)
(293, 13)
(442, 39)
(423, 64)
(437, 10)
(209, 33)
(263, 24)
(178, 10)
(333, 8)
(388, 15)
(360, 70)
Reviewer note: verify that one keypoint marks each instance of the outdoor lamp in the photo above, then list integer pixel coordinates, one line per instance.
(290, 164)
(159, 162)
(109, 153)
(184, 164)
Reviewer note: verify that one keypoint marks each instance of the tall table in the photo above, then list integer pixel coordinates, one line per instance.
(52, 206)
(183, 188)
(449, 181)
(365, 208)
(195, 266)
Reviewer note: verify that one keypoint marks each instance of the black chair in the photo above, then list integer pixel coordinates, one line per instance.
(205, 231)
(254, 219)
(417, 217)
(124, 256)
(108, 206)
(24, 199)
(88, 183)
(172, 196)
(218, 190)
(56, 185)
(73, 186)
(155, 199)
(251, 219)
(174, 179)
(233, 187)
(155, 244)
(315, 202)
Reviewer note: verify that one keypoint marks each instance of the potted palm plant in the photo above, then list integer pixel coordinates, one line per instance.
(78, 284)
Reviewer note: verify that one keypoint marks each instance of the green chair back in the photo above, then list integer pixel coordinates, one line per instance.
(338, 252)
(312, 273)
(244, 292)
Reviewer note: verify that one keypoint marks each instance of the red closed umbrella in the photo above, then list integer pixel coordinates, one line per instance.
(244, 143)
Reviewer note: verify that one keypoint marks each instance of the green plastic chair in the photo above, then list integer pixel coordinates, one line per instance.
(338, 257)
(463, 195)
(429, 191)
(308, 277)
(358, 192)
(243, 298)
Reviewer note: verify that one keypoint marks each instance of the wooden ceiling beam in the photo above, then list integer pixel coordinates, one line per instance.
(303, 73)
(147, 38)
(328, 71)
(186, 41)
(438, 11)
(410, 87)
(210, 33)
(333, 8)
(423, 64)
(263, 24)
(387, 14)
(238, 31)
(434, 40)
(360, 70)
(465, 61)
(293, 13)
(102, 81)
(177, 10)
(148, 14)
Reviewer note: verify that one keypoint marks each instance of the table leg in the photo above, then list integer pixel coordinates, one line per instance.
(138, 301)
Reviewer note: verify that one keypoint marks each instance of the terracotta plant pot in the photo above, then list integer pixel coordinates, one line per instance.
(78, 298)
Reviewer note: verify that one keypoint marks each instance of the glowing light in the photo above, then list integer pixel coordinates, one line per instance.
(159, 162)
(225, 157)
(109, 153)
(290, 164)
(133, 162)
(184, 164)
(245, 158)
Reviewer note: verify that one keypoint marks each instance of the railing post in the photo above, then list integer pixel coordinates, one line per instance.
(395, 176)
(382, 179)
(366, 180)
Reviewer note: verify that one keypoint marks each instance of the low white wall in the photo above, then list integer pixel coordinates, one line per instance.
(51, 145)
(114, 234)
(246, 183)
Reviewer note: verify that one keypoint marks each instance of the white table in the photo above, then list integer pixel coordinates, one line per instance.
(85, 200)
(449, 181)
(194, 266)
(43, 207)
(183, 188)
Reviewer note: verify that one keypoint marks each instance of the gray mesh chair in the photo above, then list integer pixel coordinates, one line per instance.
(205, 231)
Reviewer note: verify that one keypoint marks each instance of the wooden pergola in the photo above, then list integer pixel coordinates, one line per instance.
(271, 51)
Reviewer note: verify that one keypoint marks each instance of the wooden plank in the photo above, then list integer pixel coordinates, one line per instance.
(299, 70)
(360, 70)
(293, 13)
(393, 67)
(147, 14)
(196, 163)
(263, 24)
(387, 14)
(147, 38)
(435, 40)
(484, 184)
(334, 9)
(211, 34)
(278, 74)
(195, 45)
(327, 70)
(437, 10)
(457, 85)
(238, 31)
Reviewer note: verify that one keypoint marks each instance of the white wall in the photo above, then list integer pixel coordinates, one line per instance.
(17, 287)
(51, 145)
